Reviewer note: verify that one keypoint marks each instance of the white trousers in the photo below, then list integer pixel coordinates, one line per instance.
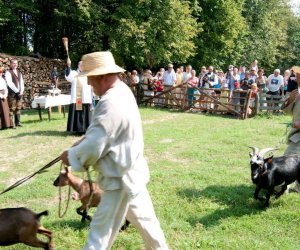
(110, 214)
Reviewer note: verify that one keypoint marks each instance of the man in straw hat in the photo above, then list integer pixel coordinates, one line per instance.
(292, 107)
(113, 145)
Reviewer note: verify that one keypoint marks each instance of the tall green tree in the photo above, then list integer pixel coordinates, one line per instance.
(269, 35)
(153, 32)
(223, 24)
(15, 25)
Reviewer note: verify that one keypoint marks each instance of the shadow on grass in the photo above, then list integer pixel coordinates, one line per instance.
(237, 200)
(44, 133)
(74, 224)
(194, 112)
(44, 119)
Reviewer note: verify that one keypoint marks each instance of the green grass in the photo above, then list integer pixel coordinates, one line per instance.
(200, 181)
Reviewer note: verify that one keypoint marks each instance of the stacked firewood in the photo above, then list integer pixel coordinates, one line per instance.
(36, 73)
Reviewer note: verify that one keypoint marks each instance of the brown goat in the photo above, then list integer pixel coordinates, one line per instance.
(83, 189)
(21, 225)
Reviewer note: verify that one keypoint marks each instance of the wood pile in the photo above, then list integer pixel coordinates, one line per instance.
(36, 73)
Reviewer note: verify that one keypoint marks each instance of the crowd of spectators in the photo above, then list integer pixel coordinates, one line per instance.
(211, 80)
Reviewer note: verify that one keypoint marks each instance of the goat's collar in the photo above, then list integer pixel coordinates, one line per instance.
(264, 172)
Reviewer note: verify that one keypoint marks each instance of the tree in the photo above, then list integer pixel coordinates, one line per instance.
(153, 33)
(269, 37)
(15, 25)
(223, 24)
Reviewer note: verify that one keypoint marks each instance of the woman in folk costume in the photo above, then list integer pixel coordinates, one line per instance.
(5, 121)
(80, 110)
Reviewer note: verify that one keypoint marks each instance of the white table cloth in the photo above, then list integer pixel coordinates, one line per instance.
(51, 101)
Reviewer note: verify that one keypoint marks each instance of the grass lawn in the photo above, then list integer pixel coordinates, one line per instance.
(200, 181)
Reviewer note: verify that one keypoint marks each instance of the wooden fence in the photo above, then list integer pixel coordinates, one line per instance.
(269, 103)
(186, 97)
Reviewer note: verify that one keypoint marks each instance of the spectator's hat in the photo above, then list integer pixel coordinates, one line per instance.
(230, 67)
(99, 63)
(296, 69)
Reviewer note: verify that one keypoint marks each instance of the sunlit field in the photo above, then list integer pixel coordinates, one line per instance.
(200, 181)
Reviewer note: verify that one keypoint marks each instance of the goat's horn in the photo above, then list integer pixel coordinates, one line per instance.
(255, 150)
(265, 150)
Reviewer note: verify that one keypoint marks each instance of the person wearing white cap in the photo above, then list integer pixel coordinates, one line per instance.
(292, 107)
(114, 145)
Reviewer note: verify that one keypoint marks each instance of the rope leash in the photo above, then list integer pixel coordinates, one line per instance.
(60, 215)
(91, 189)
(284, 136)
(21, 181)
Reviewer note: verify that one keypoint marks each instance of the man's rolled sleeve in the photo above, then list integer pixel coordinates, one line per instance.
(89, 151)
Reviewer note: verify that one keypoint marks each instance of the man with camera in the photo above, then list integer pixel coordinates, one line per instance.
(15, 84)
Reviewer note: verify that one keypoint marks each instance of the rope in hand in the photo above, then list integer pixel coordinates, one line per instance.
(19, 182)
(284, 136)
(60, 215)
(91, 190)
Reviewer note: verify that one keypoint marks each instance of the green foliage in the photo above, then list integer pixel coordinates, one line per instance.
(222, 25)
(264, 37)
(153, 33)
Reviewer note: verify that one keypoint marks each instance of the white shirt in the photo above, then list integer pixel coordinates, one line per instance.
(169, 78)
(186, 76)
(275, 82)
(114, 143)
(87, 93)
(11, 85)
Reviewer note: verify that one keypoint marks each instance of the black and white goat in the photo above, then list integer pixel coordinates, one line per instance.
(273, 173)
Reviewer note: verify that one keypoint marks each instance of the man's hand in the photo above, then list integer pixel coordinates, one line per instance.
(69, 62)
(64, 158)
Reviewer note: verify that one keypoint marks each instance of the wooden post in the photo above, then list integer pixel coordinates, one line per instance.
(40, 112)
(63, 110)
(247, 104)
(49, 113)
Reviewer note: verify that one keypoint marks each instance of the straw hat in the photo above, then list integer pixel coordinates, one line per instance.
(296, 69)
(99, 63)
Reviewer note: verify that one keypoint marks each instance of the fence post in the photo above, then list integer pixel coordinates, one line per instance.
(138, 93)
(256, 106)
